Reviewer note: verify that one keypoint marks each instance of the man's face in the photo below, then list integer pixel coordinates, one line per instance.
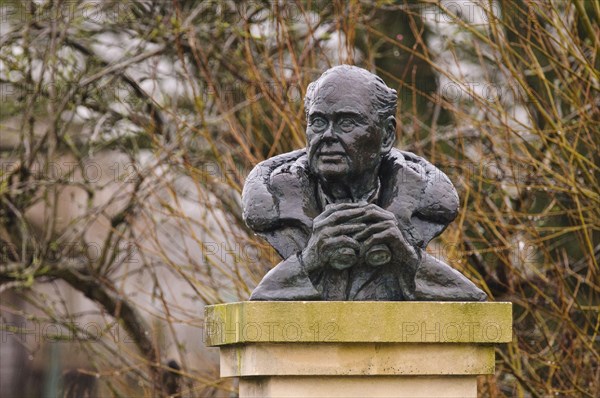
(343, 130)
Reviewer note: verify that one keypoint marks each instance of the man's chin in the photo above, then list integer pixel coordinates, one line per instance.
(336, 169)
(332, 172)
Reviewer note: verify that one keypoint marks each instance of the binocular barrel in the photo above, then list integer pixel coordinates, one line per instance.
(375, 256)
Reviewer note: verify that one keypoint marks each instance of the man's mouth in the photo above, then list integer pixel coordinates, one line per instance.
(330, 149)
(331, 156)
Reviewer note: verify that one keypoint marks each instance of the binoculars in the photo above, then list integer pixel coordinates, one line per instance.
(375, 256)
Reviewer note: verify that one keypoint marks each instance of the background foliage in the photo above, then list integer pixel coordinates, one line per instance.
(128, 129)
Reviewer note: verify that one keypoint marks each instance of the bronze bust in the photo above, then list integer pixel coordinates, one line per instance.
(351, 215)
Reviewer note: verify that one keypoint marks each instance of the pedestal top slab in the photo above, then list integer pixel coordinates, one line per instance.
(358, 321)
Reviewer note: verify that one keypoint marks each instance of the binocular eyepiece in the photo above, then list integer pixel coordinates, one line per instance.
(375, 256)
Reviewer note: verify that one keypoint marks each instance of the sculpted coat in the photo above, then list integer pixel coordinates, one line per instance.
(281, 198)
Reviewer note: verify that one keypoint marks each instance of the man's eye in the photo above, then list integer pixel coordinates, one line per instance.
(318, 122)
(347, 124)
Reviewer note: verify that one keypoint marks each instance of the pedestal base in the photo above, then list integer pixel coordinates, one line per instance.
(360, 387)
(358, 349)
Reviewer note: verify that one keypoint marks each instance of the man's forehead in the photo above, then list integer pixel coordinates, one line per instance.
(322, 108)
(340, 98)
(340, 85)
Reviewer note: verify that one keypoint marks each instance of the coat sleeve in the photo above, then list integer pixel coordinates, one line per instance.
(437, 281)
(288, 281)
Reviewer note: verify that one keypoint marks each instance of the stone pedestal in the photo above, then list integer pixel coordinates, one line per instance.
(357, 349)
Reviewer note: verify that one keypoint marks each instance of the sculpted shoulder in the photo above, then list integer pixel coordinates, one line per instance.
(439, 197)
(420, 192)
(279, 192)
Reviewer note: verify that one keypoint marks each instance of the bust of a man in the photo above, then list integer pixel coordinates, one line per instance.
(351, 215)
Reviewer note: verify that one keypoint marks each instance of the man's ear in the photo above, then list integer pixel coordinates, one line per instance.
(389, 134)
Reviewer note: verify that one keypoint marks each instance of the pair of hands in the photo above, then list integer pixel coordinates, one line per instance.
(347, 232)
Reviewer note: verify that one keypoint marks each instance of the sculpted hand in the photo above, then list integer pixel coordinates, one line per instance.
(331, 242)
(383, 242)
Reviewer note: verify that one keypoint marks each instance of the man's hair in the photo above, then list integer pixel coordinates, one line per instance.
(385, 99)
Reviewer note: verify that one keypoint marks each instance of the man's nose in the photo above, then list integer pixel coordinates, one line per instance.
(328, 133)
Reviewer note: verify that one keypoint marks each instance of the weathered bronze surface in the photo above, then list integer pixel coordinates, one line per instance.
(351, 215)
